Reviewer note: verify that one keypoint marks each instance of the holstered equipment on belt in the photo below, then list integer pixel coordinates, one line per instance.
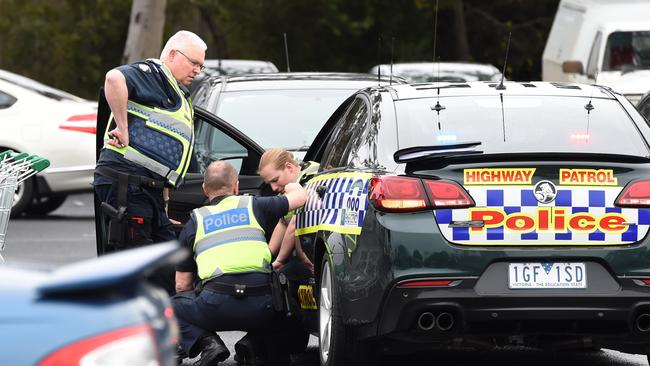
(237, 290)
(280, 293)
(119, 221)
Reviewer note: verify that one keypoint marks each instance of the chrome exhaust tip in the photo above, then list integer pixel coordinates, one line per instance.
(426, 321)
(445, 321)
(643, 322)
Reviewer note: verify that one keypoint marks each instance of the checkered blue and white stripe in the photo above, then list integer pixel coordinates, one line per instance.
(511, 199)
(343, 205)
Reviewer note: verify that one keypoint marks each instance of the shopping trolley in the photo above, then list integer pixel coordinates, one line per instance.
(14, 169)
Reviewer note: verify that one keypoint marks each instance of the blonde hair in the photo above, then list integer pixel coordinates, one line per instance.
(278, 157)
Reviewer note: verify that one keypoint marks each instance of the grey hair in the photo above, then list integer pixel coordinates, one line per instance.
(181, 40)
(220, 176)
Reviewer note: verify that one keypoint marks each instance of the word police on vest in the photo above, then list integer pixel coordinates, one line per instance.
(236, 216)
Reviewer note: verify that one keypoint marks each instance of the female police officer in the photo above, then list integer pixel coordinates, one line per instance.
(278, 168)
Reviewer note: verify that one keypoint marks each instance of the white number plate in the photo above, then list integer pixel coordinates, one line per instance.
(547, 275)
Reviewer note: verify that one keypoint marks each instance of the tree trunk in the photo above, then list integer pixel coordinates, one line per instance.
(144, 39)
(462, 52)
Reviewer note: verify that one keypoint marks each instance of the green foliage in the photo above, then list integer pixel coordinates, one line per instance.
(342, 35)
(70, 44)
(67, 44)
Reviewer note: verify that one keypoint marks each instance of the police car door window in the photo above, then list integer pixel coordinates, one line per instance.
(361, 142)
(337, 152)
(6, 100)
(213, 144)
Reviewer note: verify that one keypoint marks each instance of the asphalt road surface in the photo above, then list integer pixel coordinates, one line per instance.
(67, 235)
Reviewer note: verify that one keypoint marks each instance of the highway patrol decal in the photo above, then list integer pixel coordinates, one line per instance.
(498, 176)
(339, 207)
(526, 215)
(588, 177)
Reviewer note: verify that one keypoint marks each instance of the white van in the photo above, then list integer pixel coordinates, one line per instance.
(601, 41)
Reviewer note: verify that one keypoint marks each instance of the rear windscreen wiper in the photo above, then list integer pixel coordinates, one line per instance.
(435, 151)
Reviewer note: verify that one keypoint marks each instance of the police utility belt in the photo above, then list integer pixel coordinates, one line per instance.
(278, 288)
(137, 180)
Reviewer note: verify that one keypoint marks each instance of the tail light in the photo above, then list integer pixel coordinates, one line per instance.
(135, 345)
(636, 194)
(173, 325)
(406, 194)
(445, 194)
(642, 281)
(81, 122)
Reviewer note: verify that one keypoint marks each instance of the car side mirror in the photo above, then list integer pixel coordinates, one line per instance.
(572, 67)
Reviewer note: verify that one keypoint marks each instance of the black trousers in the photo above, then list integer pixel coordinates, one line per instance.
(147, 224)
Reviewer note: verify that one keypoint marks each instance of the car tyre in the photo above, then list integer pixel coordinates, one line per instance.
(337, 345)
(45, 205)
(22, 197)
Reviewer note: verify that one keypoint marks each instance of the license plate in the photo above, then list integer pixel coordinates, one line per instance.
(547, 275)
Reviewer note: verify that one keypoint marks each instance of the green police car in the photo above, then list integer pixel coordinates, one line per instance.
(479, 214)
(474, 214)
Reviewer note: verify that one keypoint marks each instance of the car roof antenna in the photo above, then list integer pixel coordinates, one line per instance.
(505, 63)
(590, 107)
(438, 107)
(435, 37)
(286, 51)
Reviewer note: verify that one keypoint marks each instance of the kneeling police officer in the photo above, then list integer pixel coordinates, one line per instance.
(233, 263)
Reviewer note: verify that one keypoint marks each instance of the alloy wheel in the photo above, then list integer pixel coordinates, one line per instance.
(325, 313)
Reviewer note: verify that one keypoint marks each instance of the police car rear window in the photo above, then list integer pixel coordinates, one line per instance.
(525, 124)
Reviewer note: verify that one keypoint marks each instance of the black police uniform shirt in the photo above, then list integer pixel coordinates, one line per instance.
(146, 85)
(267, 210)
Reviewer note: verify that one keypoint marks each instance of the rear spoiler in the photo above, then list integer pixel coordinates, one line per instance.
(418, 153)
(436, 161)
(121, 269)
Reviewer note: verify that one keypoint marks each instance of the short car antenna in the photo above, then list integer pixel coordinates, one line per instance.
(505, 63)
(286, 51)
(502, 87)
(590, 107)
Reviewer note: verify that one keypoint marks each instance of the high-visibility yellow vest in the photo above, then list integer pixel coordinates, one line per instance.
(160, 140)
(229, 239)
(308, 168)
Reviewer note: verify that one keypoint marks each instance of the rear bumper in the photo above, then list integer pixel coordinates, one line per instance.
(620, 320)
(66, 180)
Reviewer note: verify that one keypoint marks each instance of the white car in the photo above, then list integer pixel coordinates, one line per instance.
(425, 72)
(51, 123)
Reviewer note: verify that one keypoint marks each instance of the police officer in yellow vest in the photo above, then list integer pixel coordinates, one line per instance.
(232, 261)
(278, 168)
(147, 143)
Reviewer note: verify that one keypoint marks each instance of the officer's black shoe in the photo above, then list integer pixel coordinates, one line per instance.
(245, 352)
(213, 351)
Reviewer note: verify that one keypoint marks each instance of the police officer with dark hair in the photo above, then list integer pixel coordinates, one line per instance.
(147, 144)
(233, 262)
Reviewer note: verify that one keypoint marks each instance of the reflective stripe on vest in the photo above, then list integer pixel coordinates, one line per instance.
(310, 168)
(229, 239)
(174, 126)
